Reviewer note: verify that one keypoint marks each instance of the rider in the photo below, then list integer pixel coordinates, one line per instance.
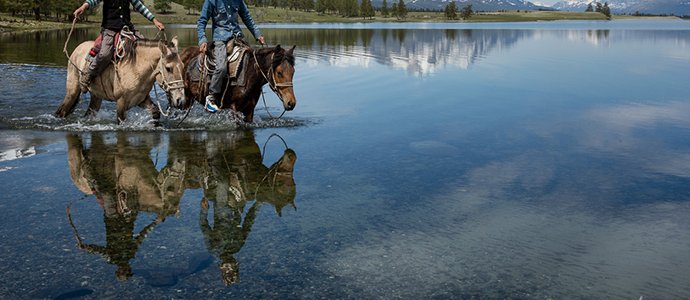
(223, 13)
(116, 15)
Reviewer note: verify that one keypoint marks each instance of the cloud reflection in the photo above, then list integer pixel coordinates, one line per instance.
(572, 220)
(625, 130)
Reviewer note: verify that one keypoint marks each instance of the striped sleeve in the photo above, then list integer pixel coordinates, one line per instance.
(141, 8)
(92, 3)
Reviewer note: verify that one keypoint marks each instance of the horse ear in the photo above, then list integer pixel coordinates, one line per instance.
(174, 41)
(277, 48)
(291, 49)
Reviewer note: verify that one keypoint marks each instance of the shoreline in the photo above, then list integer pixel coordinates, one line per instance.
(267, 15)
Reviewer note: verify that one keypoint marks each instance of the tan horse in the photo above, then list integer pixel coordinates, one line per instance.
(129, 81)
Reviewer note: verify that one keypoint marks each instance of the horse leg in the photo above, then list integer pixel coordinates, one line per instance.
(121, 110)
(248, 111)
(191, 93)
(94, 106)
(152, 108)
(72, 92)
(249, 116)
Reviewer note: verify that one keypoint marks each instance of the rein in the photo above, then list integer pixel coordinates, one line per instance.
(125, 34)
(271, 83)
(166, 85)
(64, 49)
(256, 191)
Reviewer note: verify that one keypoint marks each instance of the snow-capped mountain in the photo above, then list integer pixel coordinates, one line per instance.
(581, 5)
(675, 7)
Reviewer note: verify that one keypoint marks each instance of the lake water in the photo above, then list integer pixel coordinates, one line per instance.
(532, 160)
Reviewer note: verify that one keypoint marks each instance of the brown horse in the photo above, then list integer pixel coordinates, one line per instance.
(272, 65)
(129, 81)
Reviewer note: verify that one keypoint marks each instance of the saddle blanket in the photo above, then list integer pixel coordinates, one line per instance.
(237, 60)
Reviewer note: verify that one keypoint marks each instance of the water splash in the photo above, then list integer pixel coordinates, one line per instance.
(142, 121)
(17, 111)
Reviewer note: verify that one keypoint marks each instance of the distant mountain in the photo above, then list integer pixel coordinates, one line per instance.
(477, 5)
(675, 7)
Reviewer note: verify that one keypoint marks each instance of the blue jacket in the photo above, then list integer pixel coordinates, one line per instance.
(223, 14)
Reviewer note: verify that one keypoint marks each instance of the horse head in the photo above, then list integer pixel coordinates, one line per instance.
(282, 72)
(278, 187)
(170, 72)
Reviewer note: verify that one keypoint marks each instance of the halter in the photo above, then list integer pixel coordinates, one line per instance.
(167, 86)
(271, 83)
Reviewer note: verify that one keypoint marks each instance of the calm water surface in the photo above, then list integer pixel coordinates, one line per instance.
(535, 160)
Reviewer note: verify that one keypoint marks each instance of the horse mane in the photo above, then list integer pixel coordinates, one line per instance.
(189, 53)
(278, 57)
(130, 46)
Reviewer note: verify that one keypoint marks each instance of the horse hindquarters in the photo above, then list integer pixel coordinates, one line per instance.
(72, 89)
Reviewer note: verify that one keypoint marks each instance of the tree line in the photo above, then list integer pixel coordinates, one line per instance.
(61, 10)
(58, 10)
(451, 11)
(604, 9)
(343, 8)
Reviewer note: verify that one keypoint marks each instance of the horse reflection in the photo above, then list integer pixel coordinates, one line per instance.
(125, 181)
(229, 169)
(227, 166)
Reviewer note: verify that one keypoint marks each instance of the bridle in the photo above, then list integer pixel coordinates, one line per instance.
(271, 82)
(167, 85)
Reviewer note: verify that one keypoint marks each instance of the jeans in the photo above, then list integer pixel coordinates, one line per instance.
(105, 55)
(220, 57)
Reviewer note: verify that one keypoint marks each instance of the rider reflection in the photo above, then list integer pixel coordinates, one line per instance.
(227, 235)
(227, 166)
(124, 182)
(231, 176)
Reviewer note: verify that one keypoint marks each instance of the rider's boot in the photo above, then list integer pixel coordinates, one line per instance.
(211, 104)
(84, 82)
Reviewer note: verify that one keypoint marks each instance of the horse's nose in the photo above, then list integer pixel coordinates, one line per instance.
(290, 105)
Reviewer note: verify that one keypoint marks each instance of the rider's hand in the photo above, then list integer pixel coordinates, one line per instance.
(80, 10)
(203, 47)
(158, 24)
(261, 40)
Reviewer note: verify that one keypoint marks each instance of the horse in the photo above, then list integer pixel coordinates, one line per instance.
(123, 178)
(129, 81)
(272, 65)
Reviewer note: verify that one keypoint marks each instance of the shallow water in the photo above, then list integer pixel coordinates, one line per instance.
(535, 160)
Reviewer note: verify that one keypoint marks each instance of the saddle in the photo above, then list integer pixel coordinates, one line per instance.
(198, 69)
(118, 43)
